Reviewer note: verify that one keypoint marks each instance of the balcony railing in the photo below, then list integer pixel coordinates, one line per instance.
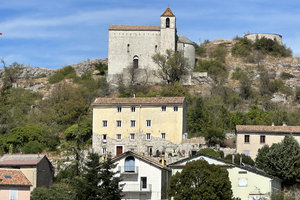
(128, 169)
(136, 188)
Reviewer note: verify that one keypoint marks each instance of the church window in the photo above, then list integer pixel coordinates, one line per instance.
(128, 45)
(135, 62)
(168, 23)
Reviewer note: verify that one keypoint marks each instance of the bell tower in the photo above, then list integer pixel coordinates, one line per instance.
(167, 31)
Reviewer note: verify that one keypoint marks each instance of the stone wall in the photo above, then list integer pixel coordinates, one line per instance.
(271, 36)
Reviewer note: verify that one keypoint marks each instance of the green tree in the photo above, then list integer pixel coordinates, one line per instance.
(210, 152)
(172, 66)
(55, 192)
(281, 160)
(201, 181)
(215, 69)
(240, 157)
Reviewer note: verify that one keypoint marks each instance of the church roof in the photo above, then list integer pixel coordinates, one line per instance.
(134, 28)
(168, 13)
(185, 40)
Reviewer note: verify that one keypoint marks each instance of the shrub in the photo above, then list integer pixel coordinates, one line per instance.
(200, 50)
(209, 152)
(285, 75)
(220, 53)
(297, 96)
(215, 69)
(101, 67)
(66, 72)
(242, 48)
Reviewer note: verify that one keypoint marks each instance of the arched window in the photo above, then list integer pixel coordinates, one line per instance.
(155, 48)
(168, 23)
(135, 62)
(129, 164)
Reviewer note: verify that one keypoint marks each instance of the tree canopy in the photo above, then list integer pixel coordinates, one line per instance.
(201, 181)
(281, 160)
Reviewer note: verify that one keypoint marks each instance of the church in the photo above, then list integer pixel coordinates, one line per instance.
(134, 46)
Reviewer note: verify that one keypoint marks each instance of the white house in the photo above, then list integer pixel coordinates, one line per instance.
(247, 182)
(142, 177)
(134, 45)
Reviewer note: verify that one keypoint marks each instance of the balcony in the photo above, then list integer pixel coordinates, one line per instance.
(124, 170)
(136, 188)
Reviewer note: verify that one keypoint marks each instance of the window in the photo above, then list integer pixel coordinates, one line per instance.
(132, 123)
(119, 123)
(148, 136)
(129, 164)
(243, 182)
(143, 182)
(119, 109)
(119, 136)
(132, 136)
(103, 150)
(13, 194)
(155, 48)
(247, 139)
(168, 23)
(135, 62)
(148, 123)
(104, 123)
(104, 136)
(163, 108)
(262, 139)
(149, 150)
(163, 136)
(175, 108)
(128, 45)
(132, 109)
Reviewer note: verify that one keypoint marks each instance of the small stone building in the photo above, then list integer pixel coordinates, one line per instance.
(134, 46)
(36, 167)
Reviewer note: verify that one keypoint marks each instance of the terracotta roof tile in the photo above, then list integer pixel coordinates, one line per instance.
(260, 128)
(20, 159)
(168, 13)
(134, 28)
(139, 100)
(13, 177)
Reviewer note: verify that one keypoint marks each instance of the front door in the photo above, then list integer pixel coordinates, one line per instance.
(119, 150)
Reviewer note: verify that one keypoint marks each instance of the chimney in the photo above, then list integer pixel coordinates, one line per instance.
(133, 95)
(272, 123)
(163, 160)
(232, 159)
(283, 124)
(241, 160)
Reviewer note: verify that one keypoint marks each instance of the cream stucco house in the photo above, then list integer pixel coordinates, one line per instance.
(142, 177)
(250, 138)
(134, 45)
(247, 183)
(145, 125)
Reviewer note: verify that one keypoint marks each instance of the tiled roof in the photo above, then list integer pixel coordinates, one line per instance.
(144, 158)
(13, 177)
(275, 129)
(134, 28)
(140, 100)
(168, 13)
(185, 40)
(20, 159)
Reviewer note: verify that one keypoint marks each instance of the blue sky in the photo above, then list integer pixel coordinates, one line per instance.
(56, 33)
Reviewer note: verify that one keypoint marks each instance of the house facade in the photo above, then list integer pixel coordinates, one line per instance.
(145, 125)
(14, 185)
(36, 167)
(142, 177)
(250, 138)
(134, 46)
(247, 183)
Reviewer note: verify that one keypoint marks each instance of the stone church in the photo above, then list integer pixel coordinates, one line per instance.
(134, 45)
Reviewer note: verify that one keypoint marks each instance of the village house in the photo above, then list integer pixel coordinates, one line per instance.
(142, 177)
(14, 185)
(134, 45)
(146, 125)
(247, 182)
(36, 167)
(250, 138)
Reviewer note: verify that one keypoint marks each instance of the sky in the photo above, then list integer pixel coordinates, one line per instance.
(55, 33)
